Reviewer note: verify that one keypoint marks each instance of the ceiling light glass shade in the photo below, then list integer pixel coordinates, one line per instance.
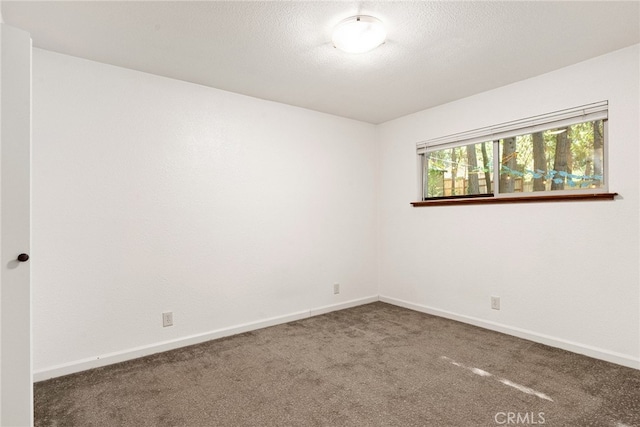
(359, 34)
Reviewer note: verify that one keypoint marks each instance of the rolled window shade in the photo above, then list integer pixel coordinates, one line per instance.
(585, 113)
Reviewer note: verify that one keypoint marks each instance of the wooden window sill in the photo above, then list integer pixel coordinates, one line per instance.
(530, 199)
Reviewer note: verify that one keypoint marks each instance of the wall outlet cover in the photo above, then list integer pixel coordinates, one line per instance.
(167, 319)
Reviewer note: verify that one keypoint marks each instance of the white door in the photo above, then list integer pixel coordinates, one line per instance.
(16, 387)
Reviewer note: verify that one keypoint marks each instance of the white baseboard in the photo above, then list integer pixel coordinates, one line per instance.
(597, 353)
(134, 353)
(341, 306)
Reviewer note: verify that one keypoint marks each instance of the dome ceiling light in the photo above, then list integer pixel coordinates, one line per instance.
(359, 34)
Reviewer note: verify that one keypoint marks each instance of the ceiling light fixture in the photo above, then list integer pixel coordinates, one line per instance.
(359, 34)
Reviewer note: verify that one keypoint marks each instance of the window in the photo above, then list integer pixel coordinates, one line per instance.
(457, 171)
(557, 153)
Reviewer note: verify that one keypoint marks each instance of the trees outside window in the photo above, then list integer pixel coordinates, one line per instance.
(557, 159)
(565, 153)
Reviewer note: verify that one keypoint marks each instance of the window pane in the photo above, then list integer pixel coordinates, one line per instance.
(459, 171)
(568, 158)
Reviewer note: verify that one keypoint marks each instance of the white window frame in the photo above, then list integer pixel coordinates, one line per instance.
(581, 114)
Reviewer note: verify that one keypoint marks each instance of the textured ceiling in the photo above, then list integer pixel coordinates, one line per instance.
(436, 52)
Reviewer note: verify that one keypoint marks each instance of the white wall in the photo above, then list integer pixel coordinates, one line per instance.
(567, 273)
(153, 195)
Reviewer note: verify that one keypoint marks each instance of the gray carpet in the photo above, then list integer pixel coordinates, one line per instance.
(373, 365)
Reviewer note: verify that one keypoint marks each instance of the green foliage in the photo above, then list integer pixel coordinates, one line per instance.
(447, 171)
(581, 158)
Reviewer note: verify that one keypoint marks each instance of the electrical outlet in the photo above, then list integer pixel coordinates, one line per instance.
(336, 288)
(167, 319)
(495, 303)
